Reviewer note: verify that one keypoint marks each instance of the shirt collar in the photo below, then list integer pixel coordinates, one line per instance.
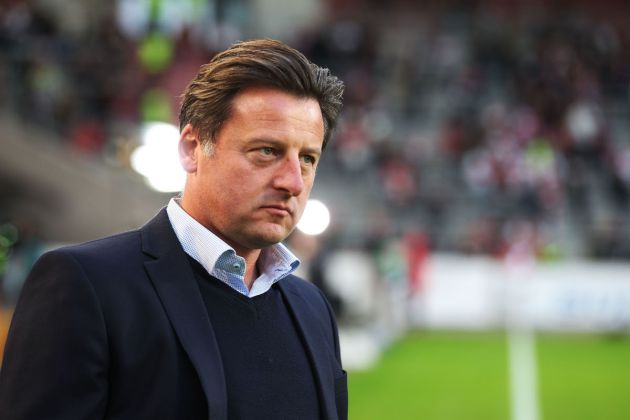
(221, 261)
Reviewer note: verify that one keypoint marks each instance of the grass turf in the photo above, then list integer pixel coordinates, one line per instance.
(584, 377)
(444, 376)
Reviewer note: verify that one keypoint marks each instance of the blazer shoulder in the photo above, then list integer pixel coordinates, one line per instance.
(123, 245)
(106, 247)
(94, 259)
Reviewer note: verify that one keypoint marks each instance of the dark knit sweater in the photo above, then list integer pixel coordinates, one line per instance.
(267, 371)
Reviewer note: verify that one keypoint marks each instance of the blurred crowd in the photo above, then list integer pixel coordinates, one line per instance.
(493, 133)
(477, 130)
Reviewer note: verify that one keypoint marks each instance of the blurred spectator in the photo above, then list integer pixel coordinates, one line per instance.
(472, 117)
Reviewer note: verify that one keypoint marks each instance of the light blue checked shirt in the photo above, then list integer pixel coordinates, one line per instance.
(220, 259)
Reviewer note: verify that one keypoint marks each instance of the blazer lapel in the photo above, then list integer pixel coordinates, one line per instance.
(315, 345)
(175, 284)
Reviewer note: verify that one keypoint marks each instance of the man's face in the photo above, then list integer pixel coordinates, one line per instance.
(252, 189)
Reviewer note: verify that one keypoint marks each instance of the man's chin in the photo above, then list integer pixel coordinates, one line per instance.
(267, 235)
(274, 235)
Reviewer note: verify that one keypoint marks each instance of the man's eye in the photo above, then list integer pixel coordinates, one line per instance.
(267, 151)
(310, 160)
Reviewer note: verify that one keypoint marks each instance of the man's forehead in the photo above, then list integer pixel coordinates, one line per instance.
(270, 104)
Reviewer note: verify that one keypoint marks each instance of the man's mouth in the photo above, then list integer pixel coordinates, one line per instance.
(278, 209)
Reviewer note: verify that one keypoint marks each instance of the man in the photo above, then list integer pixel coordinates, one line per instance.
(197, 315)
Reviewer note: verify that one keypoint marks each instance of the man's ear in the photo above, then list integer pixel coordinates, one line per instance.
(189, 149)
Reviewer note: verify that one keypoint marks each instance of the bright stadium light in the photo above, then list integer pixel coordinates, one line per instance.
(315, 219)
(157, 158)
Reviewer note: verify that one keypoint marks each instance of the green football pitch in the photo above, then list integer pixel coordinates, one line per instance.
(464, 376)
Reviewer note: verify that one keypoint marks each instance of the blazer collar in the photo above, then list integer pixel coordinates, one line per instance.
(177, 288)
(315, 343)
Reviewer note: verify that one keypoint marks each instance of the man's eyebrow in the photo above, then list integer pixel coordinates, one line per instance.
(281, 144)
(266, 140)
(313, 150)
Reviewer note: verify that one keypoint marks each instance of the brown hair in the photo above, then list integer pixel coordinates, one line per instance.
(208, 98)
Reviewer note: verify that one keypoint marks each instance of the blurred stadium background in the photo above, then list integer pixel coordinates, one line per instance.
(478, 255)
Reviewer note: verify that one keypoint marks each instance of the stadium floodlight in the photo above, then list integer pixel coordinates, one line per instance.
(315, 219)
(157, 158)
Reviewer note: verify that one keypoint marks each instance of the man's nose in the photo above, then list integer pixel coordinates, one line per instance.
(289, 176)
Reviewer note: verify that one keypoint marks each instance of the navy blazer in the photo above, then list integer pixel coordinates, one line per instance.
(117, 328)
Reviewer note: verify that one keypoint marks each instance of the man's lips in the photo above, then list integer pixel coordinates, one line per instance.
(278, 209)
